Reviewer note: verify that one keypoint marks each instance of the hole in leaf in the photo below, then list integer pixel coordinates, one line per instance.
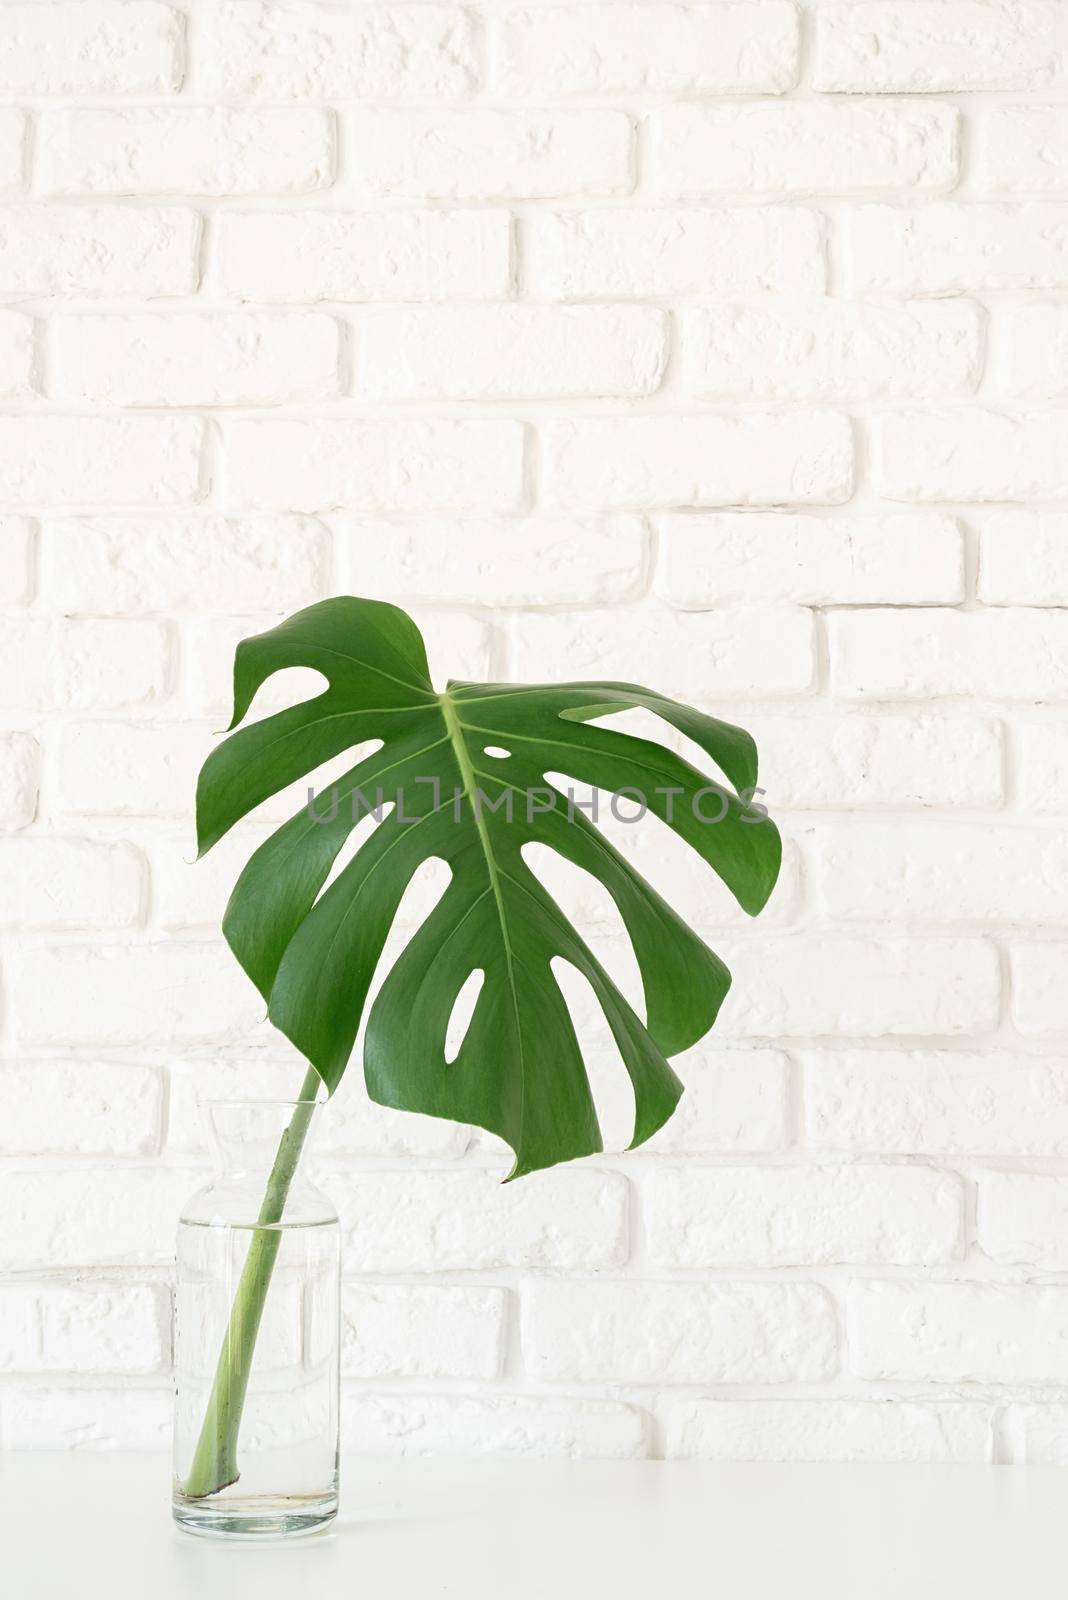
(610, 1085)
(289, 686)
(294, 798)
(498, 752)
(462, 1011)
(582, 898)
(425, 888)
(358, 837)
(643, 724)
(587, 904)
(649, 844)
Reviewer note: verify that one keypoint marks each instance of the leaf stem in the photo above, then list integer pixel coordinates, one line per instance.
(214, 1464)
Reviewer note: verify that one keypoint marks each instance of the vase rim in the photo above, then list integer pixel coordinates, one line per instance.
(209, 1105)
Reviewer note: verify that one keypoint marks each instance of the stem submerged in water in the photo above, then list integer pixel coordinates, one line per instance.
(215, 1459)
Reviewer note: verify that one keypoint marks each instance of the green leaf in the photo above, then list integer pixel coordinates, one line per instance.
(312, 951)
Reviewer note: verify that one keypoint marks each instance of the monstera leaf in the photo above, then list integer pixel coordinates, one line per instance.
(465, 774)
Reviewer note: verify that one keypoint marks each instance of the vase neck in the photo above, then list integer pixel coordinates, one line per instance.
(244, 1135)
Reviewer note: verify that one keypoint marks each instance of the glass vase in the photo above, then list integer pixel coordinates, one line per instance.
(257, 1310)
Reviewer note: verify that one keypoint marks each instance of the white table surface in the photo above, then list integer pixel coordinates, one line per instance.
(89, 1525)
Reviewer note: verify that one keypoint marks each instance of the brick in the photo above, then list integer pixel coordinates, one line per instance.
(18, 361)
(412, 1331)
(1039, 988)
(130, 769)
(803, 147)
(1042, 766)
(485, 154)
(754, 558)
(167, 564)
(1023, 558)
(48, 665)
(113, 664)
(312, 52)
(458, 645)
(84, 1328)
(902, 655)
(52, 460)
(20, 779)
(661, 49)
(106, 1328)
(20, 1329)
(70, 883)
(189, 150)
(954, 248)
(831, 350)
(436, 1221)
(627, 254)
(649, 461)
(802, 1216)
(640, 1332)
(1036, 1435)
(87, 1419)
(958, 1332)
(362, 255)
(698, 655)
(195, 360)
(13, 127)
(1042, 781)
(17, 551)
(271, 1073)
(888, 47)
(935, 1102)
(356, 1126)
(193, 1083)
(391, 464)
(813, 759)
(859, 987)
(93, 47)
(1019, 150)
(1030, 346)
(505, 1425)
(190, 894)
(539, 561)
(79, 1108)
(123, 1216)
(830, 1430)
(98, 250)
(942, 872)
(1021, 1219)
(570, 352)
(735, 1101)
(131, 994)
(31, 674)
(978, 455)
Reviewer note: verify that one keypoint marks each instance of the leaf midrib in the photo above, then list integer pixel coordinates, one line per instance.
(455, 730)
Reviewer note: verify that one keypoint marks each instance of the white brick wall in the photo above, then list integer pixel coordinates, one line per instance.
(723, 346)
(179, 150)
